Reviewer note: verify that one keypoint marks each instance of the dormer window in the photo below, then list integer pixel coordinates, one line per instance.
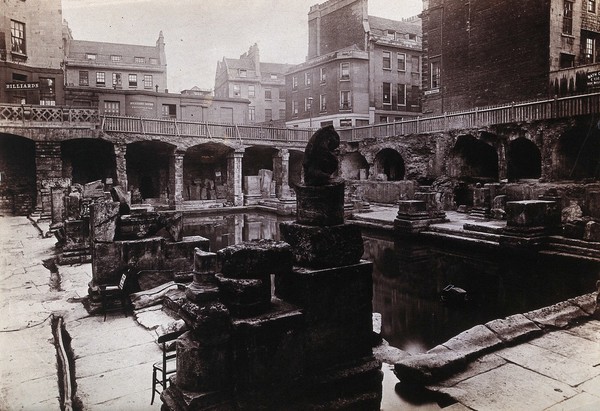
(243, 73)
(90, 56)
(273, 76)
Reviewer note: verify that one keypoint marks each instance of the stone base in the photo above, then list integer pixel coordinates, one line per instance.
(245, 297)
(322, 247)
(320, 205)
(337, 305)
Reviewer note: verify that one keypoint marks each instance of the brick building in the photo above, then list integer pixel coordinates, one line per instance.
(92, 68)
(263, 84)
(31, 52)
(360, 69)
(485, 52)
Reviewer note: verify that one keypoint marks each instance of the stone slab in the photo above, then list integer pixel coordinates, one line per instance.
(430, 367)
(473, 341)
(556, 316)
(495, 390)
(586, 302)
(589, 330)
(592, 386)
(94, 390)
(514, 328)
(479, 366)
(581, 402)
(571, 346)
(549, 363)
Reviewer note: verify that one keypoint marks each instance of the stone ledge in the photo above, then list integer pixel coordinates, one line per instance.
(455, 354)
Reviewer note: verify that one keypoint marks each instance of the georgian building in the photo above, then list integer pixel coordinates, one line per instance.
(31, 52)
(93, 69)
(482, 52)
(263, 84)
(360, 69)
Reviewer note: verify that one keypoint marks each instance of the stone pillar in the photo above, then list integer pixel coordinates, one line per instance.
(121, 164)
(48, 168)
(234, 177)
(502, 165)
(281, 173)
(176, 179)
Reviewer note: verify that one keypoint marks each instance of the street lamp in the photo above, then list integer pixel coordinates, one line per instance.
(310, 100)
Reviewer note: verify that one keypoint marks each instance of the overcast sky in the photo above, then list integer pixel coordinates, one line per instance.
(198, 33)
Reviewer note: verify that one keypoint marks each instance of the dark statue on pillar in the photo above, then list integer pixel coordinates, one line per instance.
(320, 160)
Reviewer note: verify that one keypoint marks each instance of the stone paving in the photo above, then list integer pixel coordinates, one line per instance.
(558, 370)
(113, 358)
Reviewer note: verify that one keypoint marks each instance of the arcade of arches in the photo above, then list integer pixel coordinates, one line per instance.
(161, 172)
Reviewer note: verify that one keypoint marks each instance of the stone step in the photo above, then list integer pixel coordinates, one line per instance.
(469, 234)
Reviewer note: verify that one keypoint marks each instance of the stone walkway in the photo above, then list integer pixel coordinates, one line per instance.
(113, 358)
(558, 369)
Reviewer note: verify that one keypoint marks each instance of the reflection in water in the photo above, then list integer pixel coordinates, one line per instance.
(224, 230)
(408, 278)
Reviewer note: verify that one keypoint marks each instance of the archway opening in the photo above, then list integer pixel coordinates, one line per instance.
(17, 175)
(577, 155)
(148, 170)
(389, 163)
(524, 160)
(354, 166)
(86, 160)
(205, 172)
(471, 158)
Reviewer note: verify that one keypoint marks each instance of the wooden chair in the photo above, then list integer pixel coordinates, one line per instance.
(110, 294)
(168, 366)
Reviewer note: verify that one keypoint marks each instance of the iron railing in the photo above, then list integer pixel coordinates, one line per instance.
(467, 119)
(47, 114)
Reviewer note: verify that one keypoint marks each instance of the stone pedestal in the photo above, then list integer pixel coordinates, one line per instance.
(414, 217)
(337, 304)
(320, 205)
(481, 202)
(529, 221)
(330, 246)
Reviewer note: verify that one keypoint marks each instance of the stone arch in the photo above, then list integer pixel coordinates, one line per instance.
(472, 158)
(257, 158)
(524, 160)
(577, 153)
(390, 163)
(353, 165)
(148, 170)
(205, 172)
(86, 160)
(17, 175)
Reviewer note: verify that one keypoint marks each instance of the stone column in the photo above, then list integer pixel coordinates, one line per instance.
(121, 164)
(281, 173)
(502, 164)
(48, 169)
(176, 179)
(234, 177)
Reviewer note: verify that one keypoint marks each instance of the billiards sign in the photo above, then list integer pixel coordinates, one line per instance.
(31, 85)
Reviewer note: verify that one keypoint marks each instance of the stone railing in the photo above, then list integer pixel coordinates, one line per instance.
(47, 114)
(205, 130)
(482, 116)
(479, 117)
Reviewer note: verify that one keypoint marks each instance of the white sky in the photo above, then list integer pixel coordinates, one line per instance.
(198, 33)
